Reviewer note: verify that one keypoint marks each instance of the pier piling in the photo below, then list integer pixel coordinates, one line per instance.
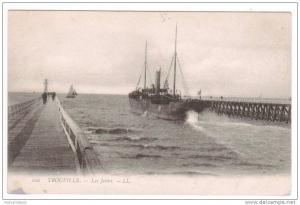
(251, 110)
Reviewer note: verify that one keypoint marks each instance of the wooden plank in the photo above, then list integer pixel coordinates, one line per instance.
(47, 148)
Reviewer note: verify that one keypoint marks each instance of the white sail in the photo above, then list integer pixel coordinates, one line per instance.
(72, 93)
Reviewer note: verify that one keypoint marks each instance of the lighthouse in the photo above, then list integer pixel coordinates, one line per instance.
(46, 85)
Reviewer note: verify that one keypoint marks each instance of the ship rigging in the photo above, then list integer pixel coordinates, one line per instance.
(161, 102)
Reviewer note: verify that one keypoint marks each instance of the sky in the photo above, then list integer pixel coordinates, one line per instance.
(242, 54)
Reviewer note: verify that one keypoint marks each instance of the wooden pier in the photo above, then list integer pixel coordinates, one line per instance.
(280, 112)
(37, 140)
(86, 158)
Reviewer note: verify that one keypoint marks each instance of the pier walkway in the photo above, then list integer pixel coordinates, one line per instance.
(37, 142)
(45, 139)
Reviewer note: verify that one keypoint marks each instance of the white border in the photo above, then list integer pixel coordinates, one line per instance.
(270, 7)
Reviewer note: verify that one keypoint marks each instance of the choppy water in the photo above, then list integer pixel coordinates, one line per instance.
(208, 144)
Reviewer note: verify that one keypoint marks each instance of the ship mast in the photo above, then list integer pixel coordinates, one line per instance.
(175, 55)
(145, 75)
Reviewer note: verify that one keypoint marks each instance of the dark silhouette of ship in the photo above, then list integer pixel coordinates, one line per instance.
(160, 102)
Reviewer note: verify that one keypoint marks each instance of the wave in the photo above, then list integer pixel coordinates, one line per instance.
(145, 114)
(192, 117)
(213, 149)
(209, 118)
(156, 147)
(88, 132)
(141, 146)
(211, 157)
(133, 139)
(199, 165)
(249, 164)
(116, 130)
(140, 156)
(198, 127)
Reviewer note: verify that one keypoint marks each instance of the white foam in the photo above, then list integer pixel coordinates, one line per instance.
(145, 114)
(192, 119)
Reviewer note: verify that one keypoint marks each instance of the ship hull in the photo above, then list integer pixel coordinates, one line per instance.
(172, 111)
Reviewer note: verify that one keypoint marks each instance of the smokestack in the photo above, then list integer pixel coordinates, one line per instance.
(157, 82)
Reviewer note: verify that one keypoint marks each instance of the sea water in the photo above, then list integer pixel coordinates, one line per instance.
(203, 144)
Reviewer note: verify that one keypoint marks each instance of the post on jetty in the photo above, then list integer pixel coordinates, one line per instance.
(263, 110)
(43, 138)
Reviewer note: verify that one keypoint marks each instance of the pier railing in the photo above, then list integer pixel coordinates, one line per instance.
(20, 108)
(87, 160)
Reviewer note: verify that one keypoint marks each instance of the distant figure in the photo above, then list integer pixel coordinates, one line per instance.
(44, 96)
(53, 96)
(199, 93)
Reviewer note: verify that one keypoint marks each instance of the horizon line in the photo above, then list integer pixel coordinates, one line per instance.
(213, 96)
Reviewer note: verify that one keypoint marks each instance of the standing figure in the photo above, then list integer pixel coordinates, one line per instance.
(44, 96)
(53, 96)
(199, 93)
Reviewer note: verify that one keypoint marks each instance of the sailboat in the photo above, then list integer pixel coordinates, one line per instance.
(72, 92)
(162, 103)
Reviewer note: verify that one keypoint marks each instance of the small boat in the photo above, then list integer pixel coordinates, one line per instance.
(72, 92)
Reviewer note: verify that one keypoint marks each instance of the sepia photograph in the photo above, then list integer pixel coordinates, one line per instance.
(149, 102)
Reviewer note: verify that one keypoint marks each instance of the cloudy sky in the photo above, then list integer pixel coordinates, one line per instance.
(222, 53)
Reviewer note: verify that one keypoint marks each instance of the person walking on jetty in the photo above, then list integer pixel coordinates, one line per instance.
(53, 96)
(44, 96)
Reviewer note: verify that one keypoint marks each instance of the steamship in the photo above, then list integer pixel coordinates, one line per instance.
(162, 103)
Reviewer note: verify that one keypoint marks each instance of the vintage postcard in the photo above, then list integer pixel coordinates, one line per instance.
(138, 101)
